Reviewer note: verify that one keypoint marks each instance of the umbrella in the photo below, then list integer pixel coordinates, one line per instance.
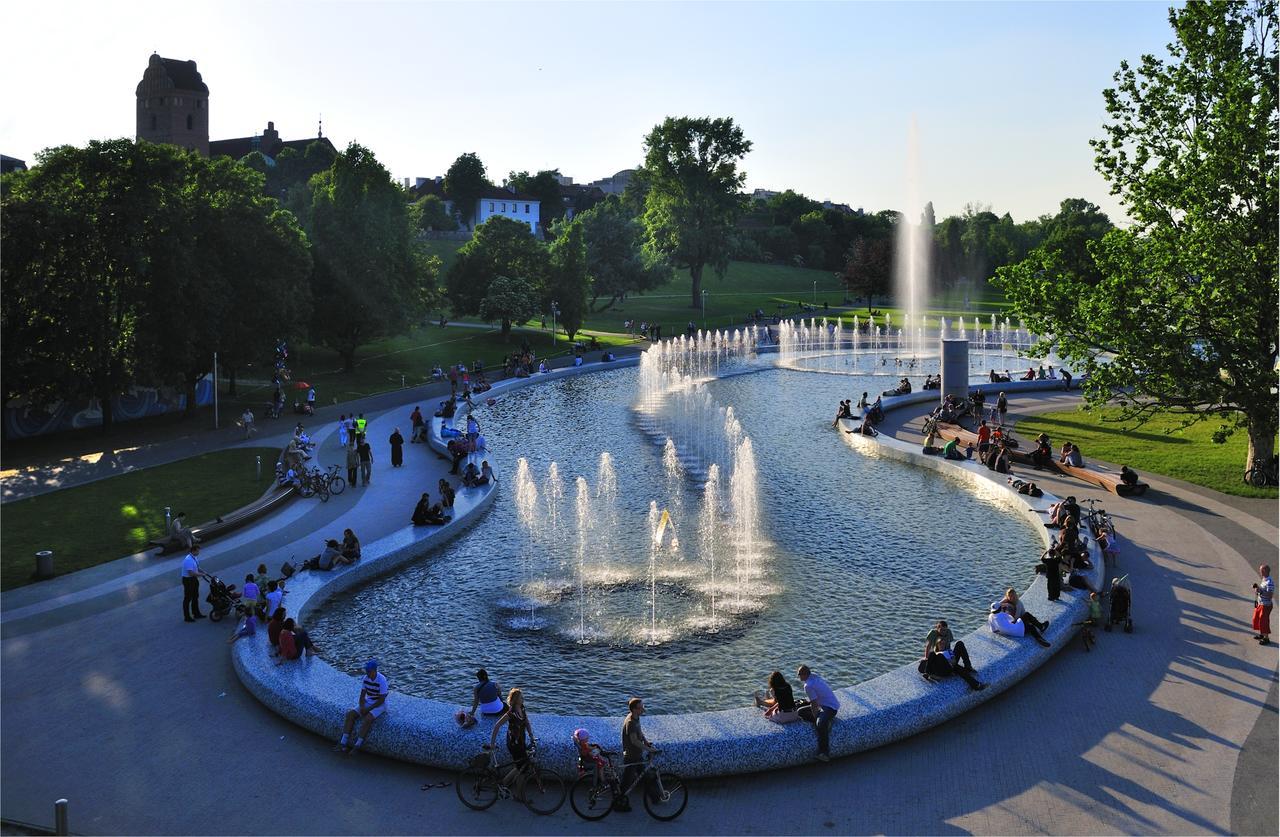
(302, 385)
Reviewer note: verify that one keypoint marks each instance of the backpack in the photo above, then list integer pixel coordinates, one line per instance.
(287, 569)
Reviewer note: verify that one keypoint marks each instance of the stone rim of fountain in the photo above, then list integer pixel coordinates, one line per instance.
(894, 705)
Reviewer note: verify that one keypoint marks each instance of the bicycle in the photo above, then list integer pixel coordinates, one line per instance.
(480, 784)
(337, 484)
(316, 483)
(592, 795)
(1261, 474)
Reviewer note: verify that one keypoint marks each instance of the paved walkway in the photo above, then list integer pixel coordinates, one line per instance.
(139, 720)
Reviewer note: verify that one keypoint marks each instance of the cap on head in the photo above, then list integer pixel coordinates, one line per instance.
(372, 665)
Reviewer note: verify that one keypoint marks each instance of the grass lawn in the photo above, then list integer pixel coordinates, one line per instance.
(1158, 447)
(101, 521)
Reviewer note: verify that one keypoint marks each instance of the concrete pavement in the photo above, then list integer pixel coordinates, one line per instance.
(139, 720)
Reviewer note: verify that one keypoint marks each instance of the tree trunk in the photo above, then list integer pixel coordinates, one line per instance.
(612, 302)
(1262, 439)
(105, 401)
(506, 330)
(695, 272)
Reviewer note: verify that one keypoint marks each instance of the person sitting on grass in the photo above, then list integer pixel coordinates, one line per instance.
(372, 705)
(779, 704)
(941, 659)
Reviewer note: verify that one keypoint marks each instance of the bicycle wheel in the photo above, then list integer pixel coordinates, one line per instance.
(1257, 477)
(589, 800)
(337, 485)
(665, 798)
(477, 788)
(306, 489)
(322, 489)
(544, 792)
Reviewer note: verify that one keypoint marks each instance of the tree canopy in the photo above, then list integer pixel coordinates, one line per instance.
(546, 188)
(617, 260)
(500, 247)
(464, 183)
(1182, 316)
(693, 198)
(568, 282)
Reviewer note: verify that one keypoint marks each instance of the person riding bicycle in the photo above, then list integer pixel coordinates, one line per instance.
(635, 748)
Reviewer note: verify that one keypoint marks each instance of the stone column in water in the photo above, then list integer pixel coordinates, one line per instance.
(955, 368)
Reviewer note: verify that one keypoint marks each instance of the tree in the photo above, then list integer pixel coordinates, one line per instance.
(500, 247)
(691, 171)
(546, 188)
(868, 268)
(511, 299)
(1183, 317)
(464, 183)
(429, 213)
(568, 282)
(1070, 232)
(369, 282)
(617, 260)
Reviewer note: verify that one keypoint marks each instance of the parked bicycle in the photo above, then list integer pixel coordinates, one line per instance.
(336, 482)
(315, 483)
(480, 784)
(1261, 473)
(592, 796)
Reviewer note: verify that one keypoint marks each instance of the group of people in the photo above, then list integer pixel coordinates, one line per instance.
(336, 553)
(819, 707)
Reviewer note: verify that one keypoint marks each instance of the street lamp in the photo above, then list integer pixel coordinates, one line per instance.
(704, 308)
(555, 309)
(815, 291)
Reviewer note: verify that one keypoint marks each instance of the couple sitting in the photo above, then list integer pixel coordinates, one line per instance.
(347, 552)
(941, 659)
(932, 382)
(1010, 618)
(473, 478)
(425, 514)
(903, 388)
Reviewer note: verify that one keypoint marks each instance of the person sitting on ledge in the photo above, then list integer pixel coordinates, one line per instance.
(294, 641)
(997, 379)
(941, 659)
(779, 704)
(179, 533)
(931, 442)
(470, 476)
(607, 357)
(951, 450)
(842, 413)
(248, 627)
(273, 629)
(486, 474)
(458, 450)
(1014, 605)
(350, 547)
(447, 409)
(446, 493)
(1043, 454)
(1002, 622)
(1071, 456)
(372, 706)
(542, 366)
(1031, 374)
(487, 697)
(421, 510)
(865, 427)
(862, 403)
(436, 516)
(876, 413)
(1061, 510)
(325, 560)
(1128, 476)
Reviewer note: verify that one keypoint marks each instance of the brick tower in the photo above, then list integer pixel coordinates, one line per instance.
(173, 104)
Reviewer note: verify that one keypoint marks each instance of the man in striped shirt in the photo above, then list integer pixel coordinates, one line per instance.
(373, 703)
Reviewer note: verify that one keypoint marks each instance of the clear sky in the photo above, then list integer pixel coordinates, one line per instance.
(1006, 95)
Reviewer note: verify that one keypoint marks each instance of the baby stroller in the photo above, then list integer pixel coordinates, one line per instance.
(223, 598)
(1121, 605)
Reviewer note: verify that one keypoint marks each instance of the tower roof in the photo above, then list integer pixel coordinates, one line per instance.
(183, 74)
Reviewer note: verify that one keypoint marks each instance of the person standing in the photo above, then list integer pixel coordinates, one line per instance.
(361, 424)
(365, 453)
(1264, 595)
(191, 585)
(397, 449)
(1002, 405)
(635, 749)
(353, 463)
(311, 400)
(342, 430)
(822, 708)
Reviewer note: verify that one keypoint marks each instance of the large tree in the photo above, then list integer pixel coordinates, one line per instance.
(1183, 317)
(464, 183)
(500, 247)
(369, 280)
(617, 260)
(568, 281)
(694, 192)
(868, 268)
(545, 186)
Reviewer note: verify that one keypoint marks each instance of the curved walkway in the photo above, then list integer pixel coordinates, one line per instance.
(134, 711)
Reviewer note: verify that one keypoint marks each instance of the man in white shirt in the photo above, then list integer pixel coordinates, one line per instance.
(823, 705)
(372, 705)
(191, 586)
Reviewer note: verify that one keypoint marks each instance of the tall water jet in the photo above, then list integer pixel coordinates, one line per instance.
(554, 497)
(911, 269)
(710, 531)
(744, 491)
(655, 544)
(674, 471)
(527, 510)
(583, 504)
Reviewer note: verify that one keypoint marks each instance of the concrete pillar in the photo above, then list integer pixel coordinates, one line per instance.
(955, 369)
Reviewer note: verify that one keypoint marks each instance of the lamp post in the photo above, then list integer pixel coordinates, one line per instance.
(704, 309)
(555, 309)
(815, 291)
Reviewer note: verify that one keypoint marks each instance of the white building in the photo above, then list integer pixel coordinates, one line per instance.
(508, 203)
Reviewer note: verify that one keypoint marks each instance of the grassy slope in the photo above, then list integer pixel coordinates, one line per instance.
(1157, 447)
(101, 521)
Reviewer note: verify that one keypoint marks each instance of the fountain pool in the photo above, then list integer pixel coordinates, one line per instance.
(612, 564)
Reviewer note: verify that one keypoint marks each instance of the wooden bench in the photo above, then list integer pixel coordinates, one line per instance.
(968, 437)
(273, 499)
(1102, 479)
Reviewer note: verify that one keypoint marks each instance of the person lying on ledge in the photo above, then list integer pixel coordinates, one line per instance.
(942, 660)
(779, 704)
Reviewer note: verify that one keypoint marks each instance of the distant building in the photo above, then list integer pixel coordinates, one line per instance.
(496, 201)
(840, 207)
(8, 164)
(764, 194)
(615, 185)
(173, 108)
(564, 180)
(578, 199)
(173, 104)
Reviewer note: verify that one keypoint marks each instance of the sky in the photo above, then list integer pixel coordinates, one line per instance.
(1005, 96)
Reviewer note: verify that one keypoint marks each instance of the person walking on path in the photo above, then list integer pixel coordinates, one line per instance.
(397, 449)
(365, 453)
(353, 464)
(1002, 405)
(372, 705)
(311, 400)
(822, 708)
(342, 430)
(361, 424)
(1264, 594)
(191, 586)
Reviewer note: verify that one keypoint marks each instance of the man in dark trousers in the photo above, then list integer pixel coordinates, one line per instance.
(191, 586)
(1051, 566)
(365, 452)
(353, 464)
